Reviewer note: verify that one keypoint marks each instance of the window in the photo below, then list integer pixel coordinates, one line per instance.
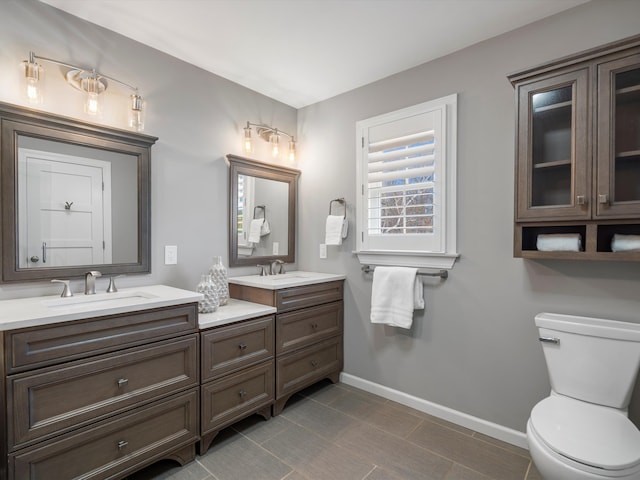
(406, 178)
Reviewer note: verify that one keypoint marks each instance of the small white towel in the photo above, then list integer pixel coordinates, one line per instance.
(254, 230)
(559, 242)
(265, 229)
(396, 292)
(333, 232)
(625, 243)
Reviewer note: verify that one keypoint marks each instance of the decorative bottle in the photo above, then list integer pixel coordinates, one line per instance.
(209, 289)
(218, 274)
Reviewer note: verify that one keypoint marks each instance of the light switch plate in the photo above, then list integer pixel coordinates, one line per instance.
(170, 254)
(276, 248)
(323, 250)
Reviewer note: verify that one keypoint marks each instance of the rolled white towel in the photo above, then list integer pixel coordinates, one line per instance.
(625, 243)
(559, 242)
(254, 230)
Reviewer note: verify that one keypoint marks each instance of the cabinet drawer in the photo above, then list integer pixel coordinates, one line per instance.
(308, 295)
(55, 399)
(308, 326)
(231, 398)
(116, 447)
(41, 346)
(304, 367)
(230, 348)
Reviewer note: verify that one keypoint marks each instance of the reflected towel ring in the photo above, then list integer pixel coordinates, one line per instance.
(339, 200)
(264, 211)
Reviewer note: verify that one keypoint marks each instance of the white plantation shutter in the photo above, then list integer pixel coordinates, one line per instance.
(402, 171)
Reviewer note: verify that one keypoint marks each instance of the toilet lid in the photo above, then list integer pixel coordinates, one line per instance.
(590, 434)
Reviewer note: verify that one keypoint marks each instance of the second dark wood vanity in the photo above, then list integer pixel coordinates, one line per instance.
(308, 333)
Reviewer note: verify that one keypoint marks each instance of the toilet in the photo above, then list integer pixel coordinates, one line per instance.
(582, 430)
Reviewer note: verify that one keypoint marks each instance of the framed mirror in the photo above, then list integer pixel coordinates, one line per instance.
(262, 216)
(75, 197)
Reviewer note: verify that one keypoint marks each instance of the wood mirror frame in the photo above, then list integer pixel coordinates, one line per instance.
(16, 121)
(245, 166)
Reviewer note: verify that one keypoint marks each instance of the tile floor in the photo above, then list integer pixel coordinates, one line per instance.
(337, 432)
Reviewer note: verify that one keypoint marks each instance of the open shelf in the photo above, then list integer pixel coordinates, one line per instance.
(553, 106)
(555, 163)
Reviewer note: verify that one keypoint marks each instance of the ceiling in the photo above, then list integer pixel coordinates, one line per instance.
(303, 51)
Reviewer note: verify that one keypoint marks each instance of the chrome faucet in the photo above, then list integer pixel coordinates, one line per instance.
(90, 282)
(277, 266)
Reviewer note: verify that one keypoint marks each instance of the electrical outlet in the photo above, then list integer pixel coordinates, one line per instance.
(323, 250)
(170, 254)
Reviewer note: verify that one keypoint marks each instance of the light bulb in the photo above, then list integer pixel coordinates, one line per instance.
(32, 80)
(136, 113)
(292, 150)
(248, 141)
(91, 85)
(274, 140)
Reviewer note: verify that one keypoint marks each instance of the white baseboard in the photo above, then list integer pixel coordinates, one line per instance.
(514, 437)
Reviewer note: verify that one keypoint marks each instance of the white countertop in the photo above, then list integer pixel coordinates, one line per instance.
(34, 311)
(285, 280)
(233, 311)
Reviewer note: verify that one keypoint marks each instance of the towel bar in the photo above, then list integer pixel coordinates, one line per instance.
(339, 200)
(264, 211)
(442, 273)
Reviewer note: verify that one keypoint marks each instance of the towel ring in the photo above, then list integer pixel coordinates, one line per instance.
(264, 211)
(339, 200)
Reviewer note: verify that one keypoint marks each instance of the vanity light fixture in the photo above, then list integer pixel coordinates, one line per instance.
(272, 135)
(91, 83)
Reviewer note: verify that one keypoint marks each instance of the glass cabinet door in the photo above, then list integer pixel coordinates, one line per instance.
(618, 162)
(553, 161)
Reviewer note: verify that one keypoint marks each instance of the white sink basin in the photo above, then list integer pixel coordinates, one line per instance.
(99, 300)
(285, 280)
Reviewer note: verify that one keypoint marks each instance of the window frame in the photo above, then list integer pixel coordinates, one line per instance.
(446, 211)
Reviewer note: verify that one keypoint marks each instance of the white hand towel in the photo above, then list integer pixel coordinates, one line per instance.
(559, 242)
(254, 230)
(625, 243)
(396, 292)
(333, 232)
(265, 229)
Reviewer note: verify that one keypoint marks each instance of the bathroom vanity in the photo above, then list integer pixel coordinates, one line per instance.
(98, 385)
(308, 326)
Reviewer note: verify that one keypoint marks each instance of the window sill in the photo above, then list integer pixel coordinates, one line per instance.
(408, 259)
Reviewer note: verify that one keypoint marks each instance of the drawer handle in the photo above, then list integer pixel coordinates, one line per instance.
(242, 346)
(122, 382)
(314, 363)
(314, 325)
(242, 393)
(122, 444)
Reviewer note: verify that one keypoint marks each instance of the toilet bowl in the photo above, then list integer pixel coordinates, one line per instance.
(582, 430)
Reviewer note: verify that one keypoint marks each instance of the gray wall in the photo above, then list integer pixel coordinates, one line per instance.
(197, 116)
(475, 347)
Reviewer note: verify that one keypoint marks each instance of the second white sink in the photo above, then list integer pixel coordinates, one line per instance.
(99, 300)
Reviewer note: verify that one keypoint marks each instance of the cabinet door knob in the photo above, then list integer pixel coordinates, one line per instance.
(122, 382)
(581, 200)
(603, 198)
(242, 393)
(122, 444)
(314, 325)
(242, 346)
(314, 363)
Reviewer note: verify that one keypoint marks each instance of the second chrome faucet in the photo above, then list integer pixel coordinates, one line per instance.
(90, 282)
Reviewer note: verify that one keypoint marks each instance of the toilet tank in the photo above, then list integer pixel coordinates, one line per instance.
(590, 359)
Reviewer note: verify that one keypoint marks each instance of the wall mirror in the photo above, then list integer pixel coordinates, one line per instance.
(262, 216)
(75, 197)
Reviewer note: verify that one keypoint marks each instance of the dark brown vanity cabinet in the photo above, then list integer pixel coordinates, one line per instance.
(101, 397)
(237, 374)
(308, 334)
(578, 152)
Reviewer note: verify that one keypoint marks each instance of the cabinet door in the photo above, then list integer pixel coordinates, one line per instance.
(618, 161)
(553, 169)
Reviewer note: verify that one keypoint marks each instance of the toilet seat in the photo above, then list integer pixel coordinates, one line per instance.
(591, 435)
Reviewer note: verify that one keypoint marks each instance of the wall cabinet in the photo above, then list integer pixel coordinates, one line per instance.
(100, 397)
(578, 152)
(308, 333)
